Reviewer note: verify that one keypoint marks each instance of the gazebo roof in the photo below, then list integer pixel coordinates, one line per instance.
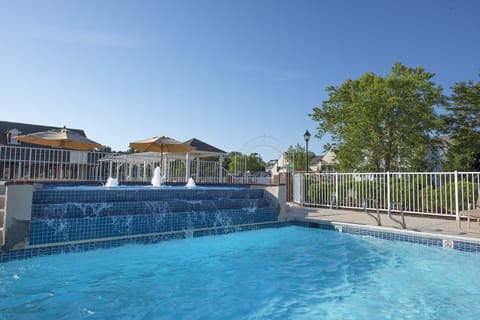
(139, 157)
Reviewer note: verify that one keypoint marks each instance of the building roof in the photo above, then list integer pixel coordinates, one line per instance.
(316, 160)
(203, 148)
(26, 128)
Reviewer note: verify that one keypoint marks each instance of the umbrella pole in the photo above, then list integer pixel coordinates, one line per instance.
(162, 166)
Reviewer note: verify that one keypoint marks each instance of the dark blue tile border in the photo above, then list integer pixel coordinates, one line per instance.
(423, 240)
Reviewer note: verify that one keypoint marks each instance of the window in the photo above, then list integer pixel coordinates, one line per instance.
(12, 136)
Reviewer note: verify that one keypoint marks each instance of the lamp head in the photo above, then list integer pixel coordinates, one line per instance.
(306, 136)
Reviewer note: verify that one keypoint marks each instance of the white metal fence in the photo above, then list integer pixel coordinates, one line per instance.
(49, 164)
(252, 178)
(21, 163)
(175, 171)
(428, 193)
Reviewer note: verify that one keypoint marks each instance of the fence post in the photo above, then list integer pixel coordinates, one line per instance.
(220, 165)
(336, 189)
(456, 197)
(388, 190)
(304, 184)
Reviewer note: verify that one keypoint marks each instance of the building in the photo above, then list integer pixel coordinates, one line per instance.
(328, 162)
(11, 130)
(324, 163)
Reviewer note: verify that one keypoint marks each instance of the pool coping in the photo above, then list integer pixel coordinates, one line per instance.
(418, 237)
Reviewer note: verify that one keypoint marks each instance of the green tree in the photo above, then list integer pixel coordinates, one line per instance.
(463, 124)
(106, 149)
(238, 162)
(296, 155)
(255, 163)
(382, 123)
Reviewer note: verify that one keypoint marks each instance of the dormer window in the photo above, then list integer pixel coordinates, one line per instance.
(12, 136)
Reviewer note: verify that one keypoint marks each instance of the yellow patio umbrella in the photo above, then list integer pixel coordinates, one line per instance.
(161, 144)
(61, 138)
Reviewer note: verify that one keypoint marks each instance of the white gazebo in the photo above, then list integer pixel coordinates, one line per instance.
(175, 167)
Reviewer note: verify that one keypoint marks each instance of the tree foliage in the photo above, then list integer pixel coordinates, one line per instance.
(295, 156)
(382, 123)
(463, 125)
(238, 162)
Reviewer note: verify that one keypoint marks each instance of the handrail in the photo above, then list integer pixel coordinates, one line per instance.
(398, 204)
(3, 212)
(377, 218)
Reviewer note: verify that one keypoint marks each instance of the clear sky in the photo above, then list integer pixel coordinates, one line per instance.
(222, 71)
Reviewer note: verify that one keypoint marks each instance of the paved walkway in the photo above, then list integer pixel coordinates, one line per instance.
(432, 225)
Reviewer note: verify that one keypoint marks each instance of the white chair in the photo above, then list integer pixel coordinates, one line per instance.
(472, 214)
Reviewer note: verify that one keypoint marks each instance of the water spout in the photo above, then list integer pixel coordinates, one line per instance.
(157, 180)
(191, 183)
(111, 182)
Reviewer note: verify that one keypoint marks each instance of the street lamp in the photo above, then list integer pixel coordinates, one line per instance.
(306, 136)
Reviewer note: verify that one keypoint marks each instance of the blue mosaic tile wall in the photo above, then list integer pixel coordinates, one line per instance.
(64, 215)
(29, 253)
(94, 209)
(44, 231)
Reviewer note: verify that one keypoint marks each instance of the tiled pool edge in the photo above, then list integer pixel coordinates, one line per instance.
(417, 237)
(79, 246)
(433, 240)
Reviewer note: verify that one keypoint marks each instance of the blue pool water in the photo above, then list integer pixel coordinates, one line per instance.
(285, 273)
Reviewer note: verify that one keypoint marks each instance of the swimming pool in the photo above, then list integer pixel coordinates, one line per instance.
(285, 273)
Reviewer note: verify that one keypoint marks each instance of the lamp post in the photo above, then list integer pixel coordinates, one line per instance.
(306, 136)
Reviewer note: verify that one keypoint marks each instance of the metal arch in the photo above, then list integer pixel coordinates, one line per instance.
(266, 145)
(264, 137)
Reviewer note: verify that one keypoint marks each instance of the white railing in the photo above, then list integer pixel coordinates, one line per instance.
(175, 171)
(251, 179)
(22, 163)
(49, 164)
(429, 193)
(208, 172)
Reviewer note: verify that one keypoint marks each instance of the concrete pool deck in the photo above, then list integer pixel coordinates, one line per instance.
(425, 224)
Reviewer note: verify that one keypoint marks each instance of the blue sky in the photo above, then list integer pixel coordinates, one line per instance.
(240, 75)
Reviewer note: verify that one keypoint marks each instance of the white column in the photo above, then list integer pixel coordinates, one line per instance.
(165, 168)
(187, 167)
(197, 170)
(220, 174)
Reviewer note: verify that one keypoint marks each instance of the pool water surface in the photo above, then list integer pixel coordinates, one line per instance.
(284, 273)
